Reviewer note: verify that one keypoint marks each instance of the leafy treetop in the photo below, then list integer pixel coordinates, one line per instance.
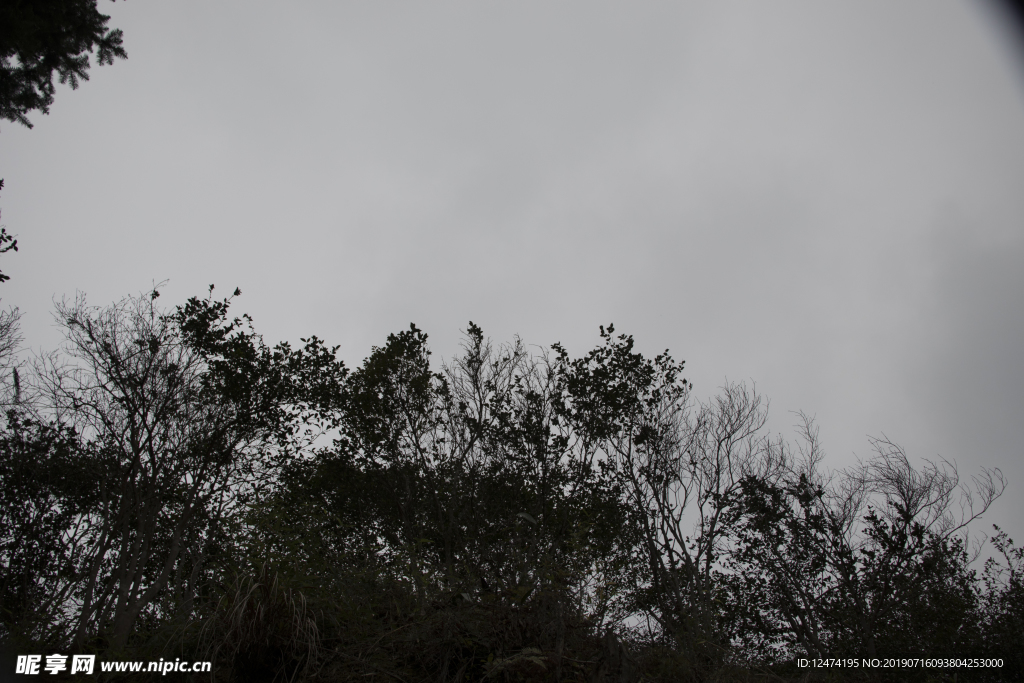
(38, 37)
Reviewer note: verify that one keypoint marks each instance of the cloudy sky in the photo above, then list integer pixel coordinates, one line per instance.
(824, 198)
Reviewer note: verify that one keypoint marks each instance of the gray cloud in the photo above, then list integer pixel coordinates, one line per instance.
(825, 198)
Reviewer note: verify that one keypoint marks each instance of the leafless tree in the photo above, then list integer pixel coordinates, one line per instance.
(10, 342)
(836, 560)
(683, 467)
(169, 457)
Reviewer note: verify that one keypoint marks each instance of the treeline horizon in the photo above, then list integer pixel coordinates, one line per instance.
(172, 486)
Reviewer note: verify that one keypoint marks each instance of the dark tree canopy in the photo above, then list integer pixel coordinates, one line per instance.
(40, 37)
(170, 485)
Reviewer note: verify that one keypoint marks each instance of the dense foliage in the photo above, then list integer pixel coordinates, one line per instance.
(170, 486)
(41, 37)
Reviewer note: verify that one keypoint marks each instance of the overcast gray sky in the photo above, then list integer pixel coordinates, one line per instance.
(826, 198)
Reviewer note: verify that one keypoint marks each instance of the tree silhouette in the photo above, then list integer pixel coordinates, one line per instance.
(40, 37)
(4, 239)
(168, 481)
